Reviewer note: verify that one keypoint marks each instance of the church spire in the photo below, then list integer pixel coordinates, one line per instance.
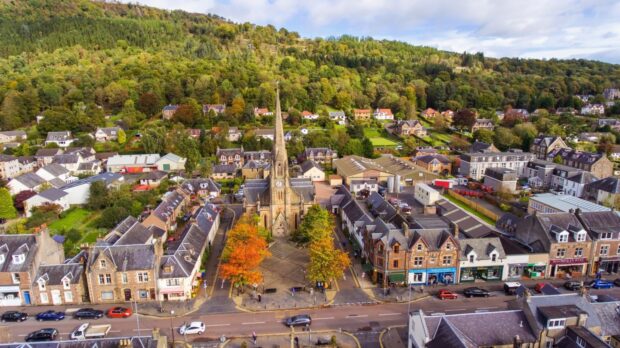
(279, 147)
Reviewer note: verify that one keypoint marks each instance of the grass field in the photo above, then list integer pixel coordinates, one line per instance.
(74, 219)
(381, 141)
(81, 219)
(372, 133)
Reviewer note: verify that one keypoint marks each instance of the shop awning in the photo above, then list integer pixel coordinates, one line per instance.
(367, 267)
(396, 277)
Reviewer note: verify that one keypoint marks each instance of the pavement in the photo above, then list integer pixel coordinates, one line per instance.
(394, 337)
(296, 338)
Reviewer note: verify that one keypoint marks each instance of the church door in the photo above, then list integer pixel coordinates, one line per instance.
(279, 226)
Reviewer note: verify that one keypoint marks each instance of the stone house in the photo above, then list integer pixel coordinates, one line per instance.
(9, 167)
(597, 164)
(482, 259)
(165, 215)
(362, 114)
(168, 111)
(543, 145)
(322, 155)
(603, 227)
(437, 164)
(60, 284)
(482, 123)
(410, 127)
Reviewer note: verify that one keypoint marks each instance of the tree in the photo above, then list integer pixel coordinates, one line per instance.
(149, 104)
(188, 114)
(326, 262)
(19, 199)
(459, 143)
(464, 119)
(99, 196)
(121, 137)
(317, 223)
(526, 132)
(7, 210)
(484, 135)
(505, 139)
(243, 253)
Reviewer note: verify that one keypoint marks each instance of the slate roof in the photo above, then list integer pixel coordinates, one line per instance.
(169, 203)
(107, 177)
(608, 315)
(600, 222)
(229, 152)
(58, 136)
(574, 155)
(468, 225)
(7, 158)
(309, 164)
(88, 166)
(48, 152)
(224, 169)
(136, 234)
(55, 169)
(109, 131)
(582, 178)
(433, 238)
(15, 244)
(54, 274)
(430, 158)
(304, 188)
(537, 230)
(482, 247)
(610, 184)
(30, 180)
(194, 185)
(155, 175)
(53, 194)
(66, 158)
(126, 257)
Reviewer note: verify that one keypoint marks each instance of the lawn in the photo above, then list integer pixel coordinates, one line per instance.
(75, 218)
(372, 133)
(381, 141)
(81, 219)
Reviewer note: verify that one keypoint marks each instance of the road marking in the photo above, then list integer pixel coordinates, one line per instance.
(456, 309)
(217, 325)
(253, 323)
(326, 318)
(115, 331)
(487, 307)
(357, 315)
(388, 314)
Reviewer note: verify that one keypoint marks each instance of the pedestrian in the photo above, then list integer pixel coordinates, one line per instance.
(260, 298)
(254, 337)
(296, 341)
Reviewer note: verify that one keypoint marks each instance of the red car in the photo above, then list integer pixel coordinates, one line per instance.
(446, 295)
(119, 312)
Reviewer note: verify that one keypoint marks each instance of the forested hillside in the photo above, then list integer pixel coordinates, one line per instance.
(78, 60)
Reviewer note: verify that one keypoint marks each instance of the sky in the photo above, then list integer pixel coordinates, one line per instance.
(499, 28)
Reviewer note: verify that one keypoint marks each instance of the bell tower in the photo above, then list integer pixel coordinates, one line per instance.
(279, 178)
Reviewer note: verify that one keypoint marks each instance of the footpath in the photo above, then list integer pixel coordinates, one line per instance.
(299, 339)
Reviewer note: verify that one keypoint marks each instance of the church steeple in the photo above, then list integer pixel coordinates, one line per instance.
(279, 178)
(279, 147)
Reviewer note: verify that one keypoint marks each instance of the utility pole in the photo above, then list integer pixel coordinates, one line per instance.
(172, 327)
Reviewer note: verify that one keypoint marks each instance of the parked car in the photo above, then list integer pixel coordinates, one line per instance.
(298, 320)
(88, 313)
(444, 294)
(572, 285)
(475, 292)
(546, 288)
(511, 288)
(50, 315)
(14, 316)
(42, 335)
(119, 312)
(193, 328)
(601, 284)
(617, 282)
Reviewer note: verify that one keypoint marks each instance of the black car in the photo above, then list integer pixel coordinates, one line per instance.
(572, 285)
(475, 292)
(42, 335)
(88, 313)
(14, 316)
(299, 320)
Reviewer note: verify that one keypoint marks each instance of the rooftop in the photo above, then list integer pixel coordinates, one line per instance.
(566, 202)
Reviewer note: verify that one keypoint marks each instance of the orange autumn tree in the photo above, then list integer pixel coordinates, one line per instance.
(244, 251)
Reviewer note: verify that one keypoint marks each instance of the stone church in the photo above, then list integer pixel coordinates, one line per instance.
(278, 200)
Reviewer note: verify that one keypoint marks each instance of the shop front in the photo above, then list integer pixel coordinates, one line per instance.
(609, 264)
(568, 268)
(535, 270)
(9, 296)
(470, 274)
(516, 270)
(440, 275)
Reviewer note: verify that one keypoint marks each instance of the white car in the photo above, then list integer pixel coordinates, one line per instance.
(193, 328)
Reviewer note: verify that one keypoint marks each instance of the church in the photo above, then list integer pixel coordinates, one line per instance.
(279, 201)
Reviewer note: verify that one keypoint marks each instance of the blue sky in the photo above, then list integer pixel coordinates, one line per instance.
(523, 28)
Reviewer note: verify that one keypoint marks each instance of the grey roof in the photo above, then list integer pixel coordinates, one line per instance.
(88, 166)
(136, 234)
(170, 107)
(55, 169)
(169, 203)
(610, 184)
(608, 315)
(53, 194)
(570, 339)
(304, 188)
(363, 181)
(224, 169)
(433, 238)
(468, 225)
(309, 164)
(126, 257)
(567, 202)
(430, 158)
(58, 136)
(537, 230)
(57, 183)
(48, 152)
(109, 131)
(257, 190)
(600, 222)
(7, 158)
(120, 229)
(229, 152)
(14, 133)
(16, 244)
(575, 155)
(172, 157)
(313, 151)
(532, 303)
(336, 114)
(54, 274)
(582, 177)
(155, 175)
(107, 177)
(67, 158)
(482, 247)
(194, 185)
(30, 180)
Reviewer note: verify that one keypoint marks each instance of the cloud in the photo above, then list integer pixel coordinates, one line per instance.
(521, 28)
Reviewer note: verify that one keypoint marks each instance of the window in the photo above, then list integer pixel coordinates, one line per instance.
(417, 261)
(605, 235)
(108, 279)
(101, 279)
(447, 260)
(604, 250)
(102, 264)
(143, 293)
(561, 253)
(42, 285)
(578, 252)
(448, 246)
(143, 277)
(173, 282)
(494, 257)
(581, 236)
(16, 278)
(418, 277)
(107, 295)
(395, 264)
(44, 298)
(472, 258)
(66, 284)
(556, 323)
(68, 296)
(563, 237)
(419, 247)
(396, 248)
(580, 342)
(124, 278)
(19, 258)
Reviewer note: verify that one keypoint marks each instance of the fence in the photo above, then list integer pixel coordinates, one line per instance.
(475, 206)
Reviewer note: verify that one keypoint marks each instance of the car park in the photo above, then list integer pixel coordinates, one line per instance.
(475, 292)
(601, 284)
(42, 335)
(14, 316)
(444, 294)
(119, 312)
(193, 328)
(88, 313)
(50, 315)
(572, 285)
(299, 320)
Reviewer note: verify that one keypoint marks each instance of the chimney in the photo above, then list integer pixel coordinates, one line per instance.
(456, 231)
(406, 231)
(528, 295)
(583, 317)
(578, 211)
(517, 342)
(583, 292)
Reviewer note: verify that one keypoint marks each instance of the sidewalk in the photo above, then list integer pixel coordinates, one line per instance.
(283, 299)
(394, 337)
(305, 339)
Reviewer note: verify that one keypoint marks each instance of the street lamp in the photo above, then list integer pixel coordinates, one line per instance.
(172, 327)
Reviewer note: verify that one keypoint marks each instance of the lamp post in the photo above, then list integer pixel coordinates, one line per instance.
(172, 327)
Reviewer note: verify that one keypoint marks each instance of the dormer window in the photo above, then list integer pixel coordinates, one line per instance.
(493, 257)
(41, 284)
(472, 257)
(66, 284)
(563, 237)
(19, 258)
(556, 323)
(580, 236)
(419, 247)
(396, 248)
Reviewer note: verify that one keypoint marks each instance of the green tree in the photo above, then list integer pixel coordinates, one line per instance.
(7, 210)
(484, 135)
(317, 223)
(121, 137)
(326, 262)
(99, 196)
(505, 139)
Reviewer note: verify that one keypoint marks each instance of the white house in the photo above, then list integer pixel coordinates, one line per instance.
(593, 109)
(55, 171)
(358, 185)
(307, 115)
(12, 136)
(50, 196)
(9, 166)
(78, 191)
(62, 139)
(312, 170)
(103, 134)
(425, 194)
(482, 259)
(180, 264)
(383, 114)
(338, 117)
(25, 182)
(171, 163)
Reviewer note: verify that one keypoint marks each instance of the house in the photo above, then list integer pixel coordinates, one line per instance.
(181, 262)
(171, 163)
(410, 127)
(62, 139)
(52, 196)
(593, 109)
(203, 187)
(482, 259)
(322, 155)
(168, 111)
(234, 134)
(502, 328)
(473, 165)
(260, 155)
(543, 145)
(361, 114)
(383, 114)
(264, 133)
(307, 115)
(481, 146)
(430, 113)
(353, 216)
(603, 227)
(46, 156)
(55, 171)
(448, 115)
(165, 215)
(153, 179)
(12, 136)
(575, 182)
(232, 156)
(78, 191)
(356, 167)
(60, 284)
(438, 164)
(218, 109)
(21, 256)
(338, 116)
(433, 256)
(27, 164)
(604, 191)
(312, 170)
(132, 163)
(596, 163)
(25, 182)
(611, 93)
(549, 203)
(423, 151)
(501, 179)
(103, 134)
(363, 185)
(426, 195)
(255, 169)
(562, 236)
(224, 171)
(259, 112)
(482, 123)
(520, 114)
(9, 167)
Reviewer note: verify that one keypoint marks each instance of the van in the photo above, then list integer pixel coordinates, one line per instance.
(510, 288)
